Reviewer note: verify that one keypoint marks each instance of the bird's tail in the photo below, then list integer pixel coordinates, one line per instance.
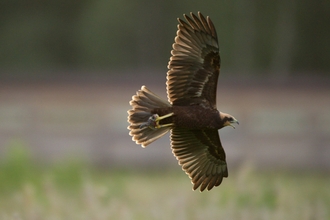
(142, 104)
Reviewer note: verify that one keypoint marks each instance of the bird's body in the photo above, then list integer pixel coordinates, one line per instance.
(191, 113)
(191, 117)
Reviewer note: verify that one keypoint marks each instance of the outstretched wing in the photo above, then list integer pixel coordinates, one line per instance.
(201, 156)
(195, 63)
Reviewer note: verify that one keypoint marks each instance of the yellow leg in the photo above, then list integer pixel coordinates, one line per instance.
(162, 126)
(164, 116)
(161, 118)
(153, 121)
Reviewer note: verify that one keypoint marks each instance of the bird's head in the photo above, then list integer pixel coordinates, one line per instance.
(228, 120)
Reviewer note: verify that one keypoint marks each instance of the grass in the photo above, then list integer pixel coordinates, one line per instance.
(72, 190)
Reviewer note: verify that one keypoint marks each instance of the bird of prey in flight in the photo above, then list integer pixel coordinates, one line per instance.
(190, 113)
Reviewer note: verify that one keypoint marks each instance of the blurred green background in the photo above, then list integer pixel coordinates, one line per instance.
(273, 37)
(68, 70)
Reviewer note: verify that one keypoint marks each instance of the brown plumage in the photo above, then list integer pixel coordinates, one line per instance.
(191, 113)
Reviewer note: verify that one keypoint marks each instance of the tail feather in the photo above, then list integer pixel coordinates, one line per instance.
(142, 104)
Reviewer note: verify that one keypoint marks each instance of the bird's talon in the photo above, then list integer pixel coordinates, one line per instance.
(152, 122)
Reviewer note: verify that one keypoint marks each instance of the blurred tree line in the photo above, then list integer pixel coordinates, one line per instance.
(274, 36)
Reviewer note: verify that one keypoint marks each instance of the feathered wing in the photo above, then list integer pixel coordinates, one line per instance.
(195, 63)
(201, 156)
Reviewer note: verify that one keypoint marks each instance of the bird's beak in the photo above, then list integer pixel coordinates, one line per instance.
(230, 123)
